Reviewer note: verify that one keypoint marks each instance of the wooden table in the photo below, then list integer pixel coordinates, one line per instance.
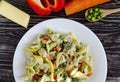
(107, 30)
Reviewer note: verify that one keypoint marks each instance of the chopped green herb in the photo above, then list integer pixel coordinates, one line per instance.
(42, 35)
(49, 31)
(36, 69)
(64, 64)
(43, 45)
(82, 67)
(61, 37)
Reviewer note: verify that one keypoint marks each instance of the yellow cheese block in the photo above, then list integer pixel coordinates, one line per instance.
(16, 15)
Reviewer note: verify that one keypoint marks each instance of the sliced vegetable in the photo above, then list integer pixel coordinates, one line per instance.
(35, 77)
(74, 6)
(45, 7)
(41, 72)
(46, 38)
(55, 77)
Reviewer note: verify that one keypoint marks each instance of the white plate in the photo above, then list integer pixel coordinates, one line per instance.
(63, 25)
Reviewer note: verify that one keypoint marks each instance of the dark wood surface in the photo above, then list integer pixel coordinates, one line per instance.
(107, 30)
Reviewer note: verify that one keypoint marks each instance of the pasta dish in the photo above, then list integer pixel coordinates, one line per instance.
(57, 57)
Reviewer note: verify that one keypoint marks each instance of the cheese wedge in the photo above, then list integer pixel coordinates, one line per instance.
(14, 14)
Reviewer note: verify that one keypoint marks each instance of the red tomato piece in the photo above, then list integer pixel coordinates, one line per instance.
(46, 38)
(35, 77)
(41, 72)
(57, 48)
(55, 77)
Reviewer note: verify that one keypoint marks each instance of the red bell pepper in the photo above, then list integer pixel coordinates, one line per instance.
(46, 7)
(35, 77)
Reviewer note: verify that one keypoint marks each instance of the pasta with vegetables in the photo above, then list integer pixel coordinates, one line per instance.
(57, 57)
